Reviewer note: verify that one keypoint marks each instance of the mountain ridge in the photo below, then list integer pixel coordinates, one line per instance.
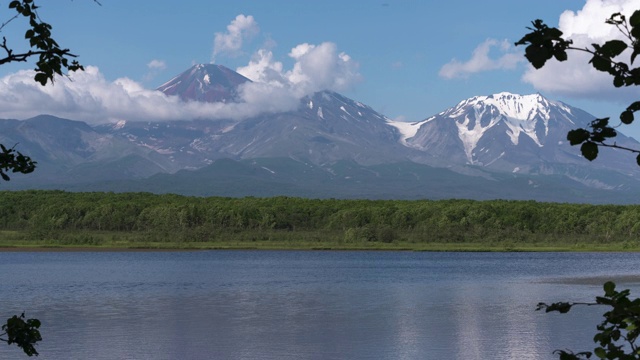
(516, 143)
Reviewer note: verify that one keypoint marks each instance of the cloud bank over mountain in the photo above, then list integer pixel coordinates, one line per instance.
(89, 96)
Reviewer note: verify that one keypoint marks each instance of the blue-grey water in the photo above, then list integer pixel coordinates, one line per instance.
(304, 304)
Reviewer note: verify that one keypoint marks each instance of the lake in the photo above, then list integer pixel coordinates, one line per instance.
(306, 304)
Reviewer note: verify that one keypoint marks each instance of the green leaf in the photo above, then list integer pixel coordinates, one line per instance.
(599, 123)
(609, 288)
(554, 33)
(560, 55)
(626, 117)
(578, 136)
(589, 150)
(638, 160)
(537, 56)
(608, 132)
(634, 107)
(41, 78)
(618, 81)
(600, 352)
(634, 20)
(613, 48)
(600, 63)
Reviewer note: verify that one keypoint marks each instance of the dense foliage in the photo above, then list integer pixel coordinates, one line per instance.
(63, 216)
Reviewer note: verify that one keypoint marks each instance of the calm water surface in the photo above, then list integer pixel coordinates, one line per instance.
(306, 305)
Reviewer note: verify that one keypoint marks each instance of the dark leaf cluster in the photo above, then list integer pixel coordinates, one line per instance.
(544, 43)
(51, 58)
(14, 161)
(22, 332)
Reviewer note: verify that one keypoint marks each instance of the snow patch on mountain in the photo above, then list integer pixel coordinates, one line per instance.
(407, 130)
(520, 113)
(471, 130)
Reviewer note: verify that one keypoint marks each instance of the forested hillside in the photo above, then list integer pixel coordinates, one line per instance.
(56, 217)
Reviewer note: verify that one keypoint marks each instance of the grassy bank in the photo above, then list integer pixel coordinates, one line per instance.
(274, 240)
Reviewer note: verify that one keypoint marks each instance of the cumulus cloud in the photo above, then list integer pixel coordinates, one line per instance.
(316, 67)
(230, 43)
(576, 77)
(481, 60)
(88, 96)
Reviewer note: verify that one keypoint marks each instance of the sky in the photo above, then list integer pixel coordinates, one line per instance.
(408, 59)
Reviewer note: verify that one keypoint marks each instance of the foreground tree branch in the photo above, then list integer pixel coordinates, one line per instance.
(544, 43)
(617, 333)
(50, 60)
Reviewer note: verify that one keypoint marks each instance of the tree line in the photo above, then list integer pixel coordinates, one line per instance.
(173, 217)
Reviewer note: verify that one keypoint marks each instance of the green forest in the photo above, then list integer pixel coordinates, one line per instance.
(145, 220)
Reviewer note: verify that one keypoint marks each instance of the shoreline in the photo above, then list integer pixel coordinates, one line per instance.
(278, 246)
(87, 249)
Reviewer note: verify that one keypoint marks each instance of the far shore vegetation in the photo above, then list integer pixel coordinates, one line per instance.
(57, 220)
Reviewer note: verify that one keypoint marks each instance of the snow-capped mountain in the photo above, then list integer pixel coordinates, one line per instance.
(510, 133)
(516, 143)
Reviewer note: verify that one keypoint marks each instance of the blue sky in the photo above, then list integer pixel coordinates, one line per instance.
(407, 59)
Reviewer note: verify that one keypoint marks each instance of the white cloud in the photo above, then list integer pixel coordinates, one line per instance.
(241, 28)
(264, 69)
(88, 96)
(481, 60)
(576, 77)
(316, 67)
(155, 67)
(156, 64)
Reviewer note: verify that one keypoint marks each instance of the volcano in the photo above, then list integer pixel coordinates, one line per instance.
(205, 82)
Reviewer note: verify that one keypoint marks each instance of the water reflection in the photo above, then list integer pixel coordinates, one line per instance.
(303, 305)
